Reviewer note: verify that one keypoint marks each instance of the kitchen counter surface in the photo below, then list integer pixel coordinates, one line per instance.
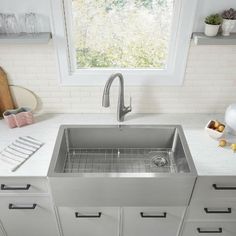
(209, 159)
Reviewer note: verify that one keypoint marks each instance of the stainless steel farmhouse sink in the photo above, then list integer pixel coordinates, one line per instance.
(121, 164)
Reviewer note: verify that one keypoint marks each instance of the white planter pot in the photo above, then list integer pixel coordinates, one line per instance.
(211, 30)
(227, 26)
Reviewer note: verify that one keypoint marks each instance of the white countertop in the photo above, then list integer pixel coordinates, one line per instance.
(209, 159)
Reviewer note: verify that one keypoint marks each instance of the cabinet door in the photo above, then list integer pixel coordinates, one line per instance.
(89, 221)
(23, 185)
(209, 228)
(157, 221)
(1, 231)
(27, 216)
(213, 188)
(220, 210)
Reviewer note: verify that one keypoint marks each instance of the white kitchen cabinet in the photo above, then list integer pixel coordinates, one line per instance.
(209, 228)
(1, 231)
(212, 210)
(10, 185)
(89, 221)
(214, 187)
(152, 221)
(27, 216)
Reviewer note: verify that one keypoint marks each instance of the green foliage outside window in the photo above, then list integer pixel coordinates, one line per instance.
(122, 33)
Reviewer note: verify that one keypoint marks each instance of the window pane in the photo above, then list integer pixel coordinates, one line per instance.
(121, 33)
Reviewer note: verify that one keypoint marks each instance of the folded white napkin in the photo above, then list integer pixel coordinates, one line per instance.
(14, 155)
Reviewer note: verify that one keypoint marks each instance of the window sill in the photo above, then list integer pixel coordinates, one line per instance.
(131, 79)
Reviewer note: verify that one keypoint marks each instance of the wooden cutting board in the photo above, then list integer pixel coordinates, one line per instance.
(6, 101)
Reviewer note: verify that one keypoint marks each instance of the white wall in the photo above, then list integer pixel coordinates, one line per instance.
(209, 85)
(207, 7)
(19, 6)
(41, 7)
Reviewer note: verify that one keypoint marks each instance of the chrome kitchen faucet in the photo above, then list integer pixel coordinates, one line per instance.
(122, 110)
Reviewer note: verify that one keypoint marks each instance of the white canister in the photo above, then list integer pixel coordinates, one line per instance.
(230, 116)
(227, 26)
(211, 30)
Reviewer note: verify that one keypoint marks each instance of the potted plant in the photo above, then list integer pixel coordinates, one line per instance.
(229, 20)
(212, 24)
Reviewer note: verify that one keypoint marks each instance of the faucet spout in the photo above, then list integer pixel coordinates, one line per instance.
(106, 100)
(121, 108)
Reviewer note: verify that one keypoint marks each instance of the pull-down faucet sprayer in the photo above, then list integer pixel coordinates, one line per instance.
(122, 110)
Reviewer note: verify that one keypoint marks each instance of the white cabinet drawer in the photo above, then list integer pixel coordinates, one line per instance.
(214, 187)
(213, 210)
(89, 221)
(152, 221)
(209, 229)
(23, 185)
(1, 231)
(27, 216)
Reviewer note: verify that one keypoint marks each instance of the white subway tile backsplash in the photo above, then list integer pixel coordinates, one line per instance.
(209, 85)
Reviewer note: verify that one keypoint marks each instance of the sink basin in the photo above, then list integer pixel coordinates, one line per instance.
(106, 160)
(98, 150)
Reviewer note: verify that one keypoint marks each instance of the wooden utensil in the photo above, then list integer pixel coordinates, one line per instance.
(6, 101)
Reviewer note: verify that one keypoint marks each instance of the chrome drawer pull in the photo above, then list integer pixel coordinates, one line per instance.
(5, 187)
(15, 207)
(228, 211)
(80, 215)
(218, 231)
(146, 215)
(216, 187)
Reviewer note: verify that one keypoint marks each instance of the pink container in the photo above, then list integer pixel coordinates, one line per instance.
(18, 117)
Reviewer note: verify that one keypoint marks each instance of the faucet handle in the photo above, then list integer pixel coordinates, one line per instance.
(129, 108)
(130, 103)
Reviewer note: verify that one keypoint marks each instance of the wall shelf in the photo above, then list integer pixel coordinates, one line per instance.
(25, 38)
(202, 39)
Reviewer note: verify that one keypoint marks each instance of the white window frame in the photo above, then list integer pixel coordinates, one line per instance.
(183, 19)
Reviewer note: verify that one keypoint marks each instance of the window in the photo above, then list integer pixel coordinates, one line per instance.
(146, 40)
(121, 33)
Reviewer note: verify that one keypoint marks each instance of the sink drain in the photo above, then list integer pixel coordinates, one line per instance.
(159, 161)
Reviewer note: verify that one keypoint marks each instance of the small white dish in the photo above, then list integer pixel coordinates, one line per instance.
(215, 134)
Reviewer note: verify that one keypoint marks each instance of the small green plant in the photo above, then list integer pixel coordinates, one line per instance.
(214, 19)
(229, 14)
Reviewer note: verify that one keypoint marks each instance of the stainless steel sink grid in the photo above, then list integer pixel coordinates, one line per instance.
(124, 160)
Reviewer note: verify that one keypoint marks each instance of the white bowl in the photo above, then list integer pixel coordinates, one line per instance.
(214, 133)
